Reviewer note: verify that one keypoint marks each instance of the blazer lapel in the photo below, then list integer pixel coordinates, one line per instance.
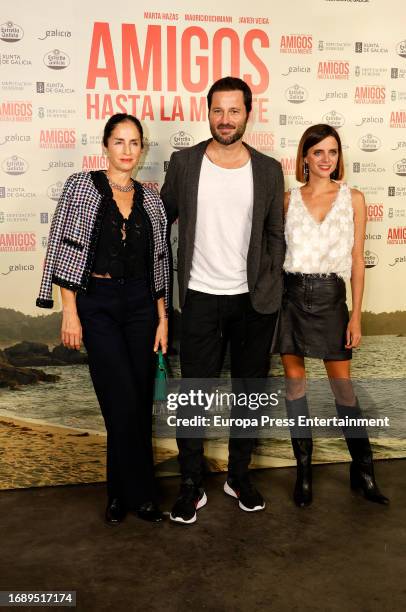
(258, 210)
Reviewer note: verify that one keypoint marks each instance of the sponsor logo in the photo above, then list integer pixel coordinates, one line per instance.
(54, 191)
(148, 166)
(19, 268)
(263, 141)
(401, 48)
(44, 217)
(368, 47)
(328, 45)
(398, 260)
(16, 111)
(149, 143)
(94, 162)
(15, 85)
(57, 139)
(288, 165)
(370, 94)
(56, 34)
(399, 96)
(44, 242)
(334, 119)
(296, 94)
(55, 113)
(397, 235)
(288, 142)
(11, 32)
(293, 120)
(56, 59)
(333, 70)
(16, 192)
(58, 164)
(401, 144)
(397, 119)
(154, 185)
(366, 167)
(369, 143)
(369, 236)
(296, 43)
(14, 165)
(181, 140)
(10, 138)
(91, 139)
(394, 213)
(396, 191)
(399, 167)
(375, 191)
(14, 59)
(371, 259)
(17, 241)
(334, 95)
(370, 72)
(16, 217)
(398, 73)
(374, 212)
(371, 119)
(296, 69)
(44, 87)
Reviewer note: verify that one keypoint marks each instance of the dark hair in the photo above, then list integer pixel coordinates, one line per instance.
(313, 135)
(232, 84)
(121, 118)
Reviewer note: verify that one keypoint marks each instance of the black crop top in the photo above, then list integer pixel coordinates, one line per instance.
(122, 248)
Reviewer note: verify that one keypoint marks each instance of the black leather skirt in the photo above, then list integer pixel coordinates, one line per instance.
(313, 318)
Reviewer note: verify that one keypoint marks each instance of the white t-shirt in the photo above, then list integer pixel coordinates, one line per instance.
(223, 229)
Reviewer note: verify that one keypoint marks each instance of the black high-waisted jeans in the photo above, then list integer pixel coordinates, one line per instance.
(118, 319)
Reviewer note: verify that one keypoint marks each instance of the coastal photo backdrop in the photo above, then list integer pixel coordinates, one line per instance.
(63, 73)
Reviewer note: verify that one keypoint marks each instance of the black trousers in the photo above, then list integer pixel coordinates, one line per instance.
(119, 321)
(208, 323)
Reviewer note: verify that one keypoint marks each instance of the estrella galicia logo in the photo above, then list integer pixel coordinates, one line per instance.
(54, 191)
(400, 167)
(181, 140)
(369, 143)
(11, 32)
(334, 119)
(401, 48)
(371, 259)
(56, 59)
(14, 165)
(296, 94)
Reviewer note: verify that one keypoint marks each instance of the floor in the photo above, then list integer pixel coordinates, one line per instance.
(341, 554)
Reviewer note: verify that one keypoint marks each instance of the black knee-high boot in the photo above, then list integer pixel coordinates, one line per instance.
(302, 444)
(362, 477)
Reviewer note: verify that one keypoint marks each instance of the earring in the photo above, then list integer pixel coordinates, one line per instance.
(306, 171)
(334, 175)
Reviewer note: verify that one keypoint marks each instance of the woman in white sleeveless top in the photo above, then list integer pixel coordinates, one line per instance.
(324, 231)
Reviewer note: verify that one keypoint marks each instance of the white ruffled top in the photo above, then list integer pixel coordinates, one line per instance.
(320, 248)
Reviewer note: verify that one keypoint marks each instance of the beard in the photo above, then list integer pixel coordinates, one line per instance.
(228, 140)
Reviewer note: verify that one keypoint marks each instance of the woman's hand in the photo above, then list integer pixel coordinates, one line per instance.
(161, 336)
(353, 334)
(71, 332)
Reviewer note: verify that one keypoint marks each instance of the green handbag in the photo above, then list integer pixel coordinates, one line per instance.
(161, 375)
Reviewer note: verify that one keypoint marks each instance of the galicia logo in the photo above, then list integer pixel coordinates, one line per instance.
(181, 140)
(54, 191)
(58, 164)
(370, 95)
(401, 48)
(333, 70)
(56, 59)
(369, 143)
(370, 119)
(294, 43)
(56, 33)
(14, 165)
(296, 94)
(296, 69)
(398, 260)
(334, 119)
(397, 119)
(15, 138)
(11, 32)
(399, 167)
(371, 259)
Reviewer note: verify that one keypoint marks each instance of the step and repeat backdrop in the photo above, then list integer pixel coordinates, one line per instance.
(65, 71)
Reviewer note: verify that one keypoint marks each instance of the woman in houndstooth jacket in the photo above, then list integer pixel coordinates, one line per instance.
(108, 252)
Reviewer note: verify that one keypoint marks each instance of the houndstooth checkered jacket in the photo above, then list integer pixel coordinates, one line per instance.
(75, 229)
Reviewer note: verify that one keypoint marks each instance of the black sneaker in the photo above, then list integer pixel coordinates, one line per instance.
(249, 499)
(191, 498)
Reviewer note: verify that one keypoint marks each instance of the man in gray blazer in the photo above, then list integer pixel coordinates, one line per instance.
(228, 199)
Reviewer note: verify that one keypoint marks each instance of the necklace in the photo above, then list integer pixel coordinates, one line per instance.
(125, 188)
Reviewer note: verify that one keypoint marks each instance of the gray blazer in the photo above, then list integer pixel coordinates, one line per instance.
(266, 250)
